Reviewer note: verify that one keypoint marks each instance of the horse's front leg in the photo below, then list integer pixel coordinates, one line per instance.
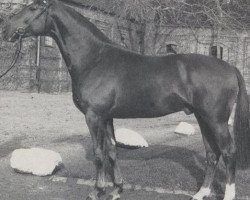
(97, 127)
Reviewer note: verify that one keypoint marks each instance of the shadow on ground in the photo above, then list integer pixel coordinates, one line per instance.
(9, 146)
(164, 160)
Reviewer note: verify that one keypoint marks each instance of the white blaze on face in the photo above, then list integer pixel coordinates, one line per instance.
(230, 192)
(203, 192)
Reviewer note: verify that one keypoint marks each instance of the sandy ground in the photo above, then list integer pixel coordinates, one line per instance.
(171, 161)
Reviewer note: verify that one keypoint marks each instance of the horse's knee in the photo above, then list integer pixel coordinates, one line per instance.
(99, 158)
(212, 159)
(229, 153)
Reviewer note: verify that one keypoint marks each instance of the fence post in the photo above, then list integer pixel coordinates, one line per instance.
(38, 67)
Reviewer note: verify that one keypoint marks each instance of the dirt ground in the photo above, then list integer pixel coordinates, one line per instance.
(171, 161)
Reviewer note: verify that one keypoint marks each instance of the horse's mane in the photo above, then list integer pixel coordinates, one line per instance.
(90, 26)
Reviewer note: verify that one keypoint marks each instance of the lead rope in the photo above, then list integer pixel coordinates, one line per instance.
(18, 50)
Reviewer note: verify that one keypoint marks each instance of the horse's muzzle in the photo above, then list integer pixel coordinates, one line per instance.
(5, 34)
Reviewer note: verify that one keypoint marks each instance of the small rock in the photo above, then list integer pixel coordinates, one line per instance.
(129, 138)
(36, 161)
(185, 129)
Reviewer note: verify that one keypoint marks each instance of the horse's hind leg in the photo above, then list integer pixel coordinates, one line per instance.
(115, 171)
(224, 144)
(212, 157)
(97, 128)
(228, 151)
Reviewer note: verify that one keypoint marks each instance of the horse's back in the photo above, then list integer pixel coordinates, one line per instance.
(130, 85)
(168, 84)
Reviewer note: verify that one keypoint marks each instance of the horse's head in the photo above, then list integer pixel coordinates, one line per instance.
(30, 21)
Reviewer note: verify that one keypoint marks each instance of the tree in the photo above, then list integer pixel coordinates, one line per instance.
(151, 15)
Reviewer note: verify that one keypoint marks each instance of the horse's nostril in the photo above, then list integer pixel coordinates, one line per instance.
(4, 31)
(5, 28)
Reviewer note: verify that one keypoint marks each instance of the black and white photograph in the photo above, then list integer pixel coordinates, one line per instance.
(124, 99)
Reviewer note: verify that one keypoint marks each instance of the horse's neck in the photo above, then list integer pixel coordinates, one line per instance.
(76, 38)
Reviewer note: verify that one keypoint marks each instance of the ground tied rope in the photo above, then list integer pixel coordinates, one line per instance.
(127, 186)
(16, 56)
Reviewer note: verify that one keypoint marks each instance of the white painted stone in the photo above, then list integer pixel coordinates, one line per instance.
(184, 128)
(129, 138)
(36, 161)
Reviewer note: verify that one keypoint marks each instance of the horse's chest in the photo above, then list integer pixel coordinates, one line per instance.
(98, 99)
(80, 103)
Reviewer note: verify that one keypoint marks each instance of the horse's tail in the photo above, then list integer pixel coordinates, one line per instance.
(241, 125)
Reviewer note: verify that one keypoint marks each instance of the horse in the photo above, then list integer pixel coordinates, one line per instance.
(110, 82)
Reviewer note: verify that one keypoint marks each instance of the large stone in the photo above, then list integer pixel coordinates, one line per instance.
(36, 161)
(184, 128)
(129, 138)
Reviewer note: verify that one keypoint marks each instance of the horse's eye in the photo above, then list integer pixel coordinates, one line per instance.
(26, 21)
(33, 7)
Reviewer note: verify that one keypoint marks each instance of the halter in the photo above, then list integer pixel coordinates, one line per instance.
(21, 30)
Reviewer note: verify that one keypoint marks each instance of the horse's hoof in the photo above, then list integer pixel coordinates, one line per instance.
(96, 194)
(112, 197)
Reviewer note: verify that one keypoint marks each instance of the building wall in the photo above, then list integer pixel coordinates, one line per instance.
(52, 76)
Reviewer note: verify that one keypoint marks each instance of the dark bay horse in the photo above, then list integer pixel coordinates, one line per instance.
(109, 82)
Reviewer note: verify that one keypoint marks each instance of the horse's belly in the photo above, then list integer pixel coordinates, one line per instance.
(146, 108)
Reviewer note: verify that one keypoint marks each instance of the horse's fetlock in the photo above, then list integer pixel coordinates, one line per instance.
(119, 185)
